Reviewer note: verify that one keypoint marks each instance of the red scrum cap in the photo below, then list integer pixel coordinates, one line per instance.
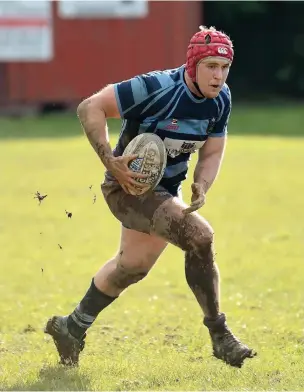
(205, 43)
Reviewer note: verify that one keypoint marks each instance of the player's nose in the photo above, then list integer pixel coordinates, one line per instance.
(218, 74)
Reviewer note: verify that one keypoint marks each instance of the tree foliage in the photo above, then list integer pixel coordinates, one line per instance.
(269, 45)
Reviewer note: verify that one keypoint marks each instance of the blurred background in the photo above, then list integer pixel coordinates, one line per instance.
(55, 53)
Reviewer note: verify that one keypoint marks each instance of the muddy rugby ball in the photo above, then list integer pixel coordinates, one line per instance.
(151, 160)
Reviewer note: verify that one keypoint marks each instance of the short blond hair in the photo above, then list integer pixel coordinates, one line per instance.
(213, 29)
(205, 28)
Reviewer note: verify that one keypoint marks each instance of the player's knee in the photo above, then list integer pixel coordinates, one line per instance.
(204, 250)
(197, 236)
(202, 242)
(201, 256)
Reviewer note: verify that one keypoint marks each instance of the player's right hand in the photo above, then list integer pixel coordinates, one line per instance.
(118, 166)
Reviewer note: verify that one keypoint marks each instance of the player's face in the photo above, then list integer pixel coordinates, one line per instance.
(211, 74)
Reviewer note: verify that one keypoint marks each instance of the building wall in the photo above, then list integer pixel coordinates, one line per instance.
(89, 54)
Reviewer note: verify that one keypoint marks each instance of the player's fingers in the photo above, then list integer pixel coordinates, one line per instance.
(137, 175)
(194, 206)
(189, 210)
(194, 197)
(136, 183)
(128, 158)
(198, 202)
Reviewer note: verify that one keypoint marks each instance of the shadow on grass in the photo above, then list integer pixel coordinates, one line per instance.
(246, 120)
(56, 378)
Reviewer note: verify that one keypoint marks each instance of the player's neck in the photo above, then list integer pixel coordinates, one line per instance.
(191, 86)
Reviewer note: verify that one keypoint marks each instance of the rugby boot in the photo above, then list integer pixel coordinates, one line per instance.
(67, 345)
(225, 345)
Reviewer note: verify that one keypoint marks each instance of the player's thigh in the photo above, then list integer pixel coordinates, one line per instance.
(134, 212)
(139, 251)
(160, 214)
(189, 232)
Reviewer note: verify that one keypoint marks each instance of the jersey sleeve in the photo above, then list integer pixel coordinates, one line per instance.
(135, 95)
(220, 128)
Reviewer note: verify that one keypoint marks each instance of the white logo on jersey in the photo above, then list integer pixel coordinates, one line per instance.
(222, 50)
(176, 147)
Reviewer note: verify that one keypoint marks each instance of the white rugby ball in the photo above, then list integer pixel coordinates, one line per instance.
(151, 160)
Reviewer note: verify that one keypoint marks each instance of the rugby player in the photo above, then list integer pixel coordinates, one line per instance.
(188, 108)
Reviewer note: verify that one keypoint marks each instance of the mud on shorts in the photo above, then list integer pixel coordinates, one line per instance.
(134, 212)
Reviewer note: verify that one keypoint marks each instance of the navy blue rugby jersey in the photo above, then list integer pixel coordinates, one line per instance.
(160, 102)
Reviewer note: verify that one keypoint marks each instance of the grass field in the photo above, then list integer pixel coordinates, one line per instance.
(152, 338)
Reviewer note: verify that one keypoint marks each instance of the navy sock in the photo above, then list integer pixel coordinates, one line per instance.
(87, 310)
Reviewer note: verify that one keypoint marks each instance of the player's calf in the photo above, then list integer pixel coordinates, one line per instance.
(202, 276)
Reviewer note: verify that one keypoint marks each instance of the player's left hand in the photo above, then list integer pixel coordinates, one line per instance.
(198, 198)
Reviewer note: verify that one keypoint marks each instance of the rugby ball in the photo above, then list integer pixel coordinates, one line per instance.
(151, 160)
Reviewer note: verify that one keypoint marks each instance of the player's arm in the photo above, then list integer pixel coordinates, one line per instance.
(127, 100)
(211, 154)
(92, 113)
(210, 157)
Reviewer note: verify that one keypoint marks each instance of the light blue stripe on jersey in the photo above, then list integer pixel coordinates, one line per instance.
(141, 96)
(163, 110)
(160, 95)
(118, 101)
(217, 105)
(169, 115)
(218, 134)
(173, 170)
(138, 89)
(123, 127)
(162, 77)
(223, 106)
(163, 80)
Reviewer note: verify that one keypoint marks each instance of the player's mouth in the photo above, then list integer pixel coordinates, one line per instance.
(215, 85)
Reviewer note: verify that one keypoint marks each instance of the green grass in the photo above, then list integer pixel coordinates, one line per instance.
(152, 338)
